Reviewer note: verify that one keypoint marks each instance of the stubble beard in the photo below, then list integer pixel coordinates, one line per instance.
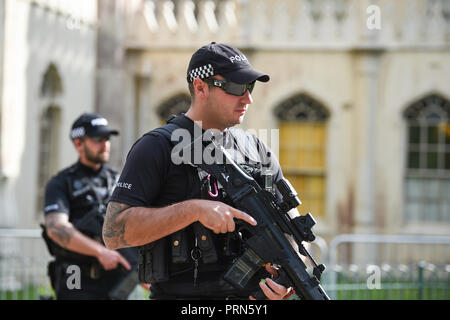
(99, 158)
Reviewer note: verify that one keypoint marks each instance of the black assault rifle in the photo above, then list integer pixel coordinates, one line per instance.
(267, 241)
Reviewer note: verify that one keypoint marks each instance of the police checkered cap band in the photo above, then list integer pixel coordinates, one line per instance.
(202, 72)
(77, 133)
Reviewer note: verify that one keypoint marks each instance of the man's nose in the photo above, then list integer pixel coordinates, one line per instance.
(247, 97)
(104, 143)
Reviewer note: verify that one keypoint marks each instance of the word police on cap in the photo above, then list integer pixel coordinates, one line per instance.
(99, 122)
(240, 57)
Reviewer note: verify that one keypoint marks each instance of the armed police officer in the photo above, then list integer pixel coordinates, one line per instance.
(75, 204)
(179, 215)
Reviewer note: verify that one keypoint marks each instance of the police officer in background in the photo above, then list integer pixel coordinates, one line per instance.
(75, 204)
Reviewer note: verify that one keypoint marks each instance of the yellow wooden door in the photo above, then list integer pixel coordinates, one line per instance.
(302, 158)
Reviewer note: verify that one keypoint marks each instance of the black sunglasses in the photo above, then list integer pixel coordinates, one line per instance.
(230, 87)
(99, 139)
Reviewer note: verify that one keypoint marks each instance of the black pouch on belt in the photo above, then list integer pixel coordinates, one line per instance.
(153, 264)
(205, 243)
(179, 245)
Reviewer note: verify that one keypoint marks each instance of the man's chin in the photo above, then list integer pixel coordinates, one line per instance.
(239, 120)
(103, 160)
(104, 157)
(100, 160)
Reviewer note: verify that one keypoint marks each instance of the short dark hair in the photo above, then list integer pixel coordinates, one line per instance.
(192, 90)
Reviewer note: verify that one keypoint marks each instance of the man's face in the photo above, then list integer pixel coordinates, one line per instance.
(96, 149)
(226, 109)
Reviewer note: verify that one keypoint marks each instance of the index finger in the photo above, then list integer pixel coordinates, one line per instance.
(243, 216)
(124, 262)
(276, 287)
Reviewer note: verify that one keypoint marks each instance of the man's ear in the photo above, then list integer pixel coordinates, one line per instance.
(200, 88)
(77, 143)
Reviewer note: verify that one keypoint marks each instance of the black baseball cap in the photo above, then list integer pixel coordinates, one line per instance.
(91, 125)
(229, 62)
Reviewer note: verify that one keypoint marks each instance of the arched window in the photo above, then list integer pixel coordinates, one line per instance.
(51, 85)
(49, 130)
(302, 124)
(174, 106)
(48, 149)
(427, 178)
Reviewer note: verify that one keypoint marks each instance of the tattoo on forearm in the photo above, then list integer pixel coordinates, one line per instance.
(62, 233)
(114, 226)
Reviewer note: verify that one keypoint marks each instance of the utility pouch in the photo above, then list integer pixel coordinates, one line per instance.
(48, 242)
(205, 243)
(179, 245)
(153, 264)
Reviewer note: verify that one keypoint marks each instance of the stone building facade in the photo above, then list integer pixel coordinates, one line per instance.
(357, 107)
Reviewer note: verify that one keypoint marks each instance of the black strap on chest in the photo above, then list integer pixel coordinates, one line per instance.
(109, 187)
(110, 180)
(91, 222)
(203, 235)
(173, 123)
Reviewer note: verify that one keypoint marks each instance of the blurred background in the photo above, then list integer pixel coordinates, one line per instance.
(357, 110)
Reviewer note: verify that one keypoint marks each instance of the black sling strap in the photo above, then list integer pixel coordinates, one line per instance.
(204, 236)
(173, 123)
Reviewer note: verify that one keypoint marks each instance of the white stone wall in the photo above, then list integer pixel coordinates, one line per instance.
(36, 34)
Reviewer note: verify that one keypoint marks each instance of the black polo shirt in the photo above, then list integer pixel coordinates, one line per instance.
(78, 189)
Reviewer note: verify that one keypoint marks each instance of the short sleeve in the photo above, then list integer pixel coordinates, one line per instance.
(56, 196)
(144, 172)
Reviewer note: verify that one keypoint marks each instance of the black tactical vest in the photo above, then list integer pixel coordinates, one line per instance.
(88, 194)
(194, 247)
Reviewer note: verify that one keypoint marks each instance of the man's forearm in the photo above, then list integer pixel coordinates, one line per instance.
(66, 236)
(127, 226)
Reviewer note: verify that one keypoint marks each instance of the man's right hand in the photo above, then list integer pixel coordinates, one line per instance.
(127, 226)
(111, 259)
(218, 216)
